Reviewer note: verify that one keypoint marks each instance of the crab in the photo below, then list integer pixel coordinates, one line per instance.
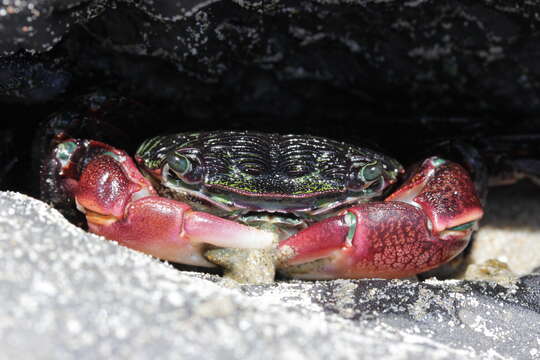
(310, 207)
(306, 206)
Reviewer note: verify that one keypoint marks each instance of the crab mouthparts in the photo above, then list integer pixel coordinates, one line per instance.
(284, 216)
(284, 224)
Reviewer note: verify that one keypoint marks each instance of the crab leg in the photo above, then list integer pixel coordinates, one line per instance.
(120, 204)
(425, 223)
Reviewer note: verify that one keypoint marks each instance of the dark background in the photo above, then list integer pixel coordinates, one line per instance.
(398, 76)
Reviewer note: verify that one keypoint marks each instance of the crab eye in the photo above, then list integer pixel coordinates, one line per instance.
(183, 167)
(370, 172)
(180, 164)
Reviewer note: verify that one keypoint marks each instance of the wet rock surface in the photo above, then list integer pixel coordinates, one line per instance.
(76, 295)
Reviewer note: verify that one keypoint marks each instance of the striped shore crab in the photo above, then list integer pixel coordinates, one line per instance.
(306, 206)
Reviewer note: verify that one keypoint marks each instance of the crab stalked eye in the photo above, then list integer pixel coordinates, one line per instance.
(183, 167)
(367, 178)
(370, 172)
(179, 163)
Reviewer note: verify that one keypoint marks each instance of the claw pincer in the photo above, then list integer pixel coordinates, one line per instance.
(122, 205)
(425, 223)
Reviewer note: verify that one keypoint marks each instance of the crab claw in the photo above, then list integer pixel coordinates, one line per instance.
(445, 193)
(425, 224)
(383, 240)
(120, 204)
(170, 230)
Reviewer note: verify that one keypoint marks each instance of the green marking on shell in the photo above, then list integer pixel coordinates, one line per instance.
(222, 199)
(146, 148)
(303, 185)
(149, 145)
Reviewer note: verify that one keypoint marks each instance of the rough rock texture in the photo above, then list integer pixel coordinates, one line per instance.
(290, 58)
(31, 80)
(69, 294)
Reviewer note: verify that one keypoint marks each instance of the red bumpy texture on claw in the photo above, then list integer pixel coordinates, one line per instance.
(444, 191)
(410, 232)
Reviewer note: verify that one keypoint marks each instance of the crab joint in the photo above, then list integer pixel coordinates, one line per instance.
(319, 240)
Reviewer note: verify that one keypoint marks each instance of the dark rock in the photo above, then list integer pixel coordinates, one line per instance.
(328, 60)
(24, 80)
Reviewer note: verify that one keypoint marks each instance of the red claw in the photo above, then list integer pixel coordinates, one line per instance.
(382, 239)
(427, 222)
(106, 188)
(444, 191)
(120, 204)
(170, 230)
